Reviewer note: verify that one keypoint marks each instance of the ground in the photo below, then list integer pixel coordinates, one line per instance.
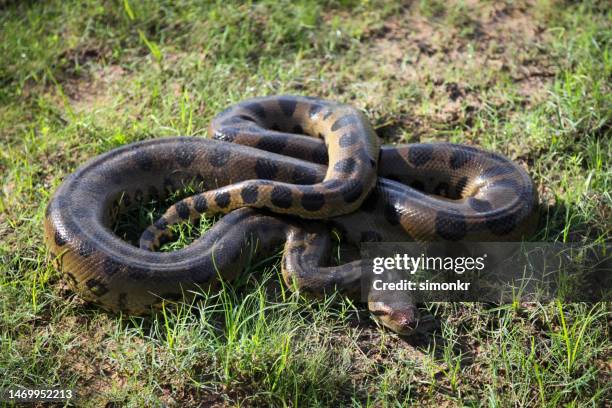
(530, 79)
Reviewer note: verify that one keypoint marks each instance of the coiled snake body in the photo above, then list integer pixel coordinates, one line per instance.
(338, 173)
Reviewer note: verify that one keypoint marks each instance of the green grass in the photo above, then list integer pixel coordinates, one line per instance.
(530, 80)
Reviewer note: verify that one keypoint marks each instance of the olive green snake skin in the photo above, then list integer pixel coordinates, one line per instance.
(274, 165)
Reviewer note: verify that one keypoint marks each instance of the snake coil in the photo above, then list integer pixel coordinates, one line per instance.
(304, 157)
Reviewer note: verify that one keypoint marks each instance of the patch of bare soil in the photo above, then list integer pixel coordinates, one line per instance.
(93, 91)
(459, 58)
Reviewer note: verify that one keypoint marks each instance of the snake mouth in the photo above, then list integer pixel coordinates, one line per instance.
(402, 318)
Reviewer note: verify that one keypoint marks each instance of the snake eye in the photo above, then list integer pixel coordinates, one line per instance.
(246, 118)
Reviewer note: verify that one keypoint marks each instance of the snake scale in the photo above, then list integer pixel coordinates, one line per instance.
(274, 165)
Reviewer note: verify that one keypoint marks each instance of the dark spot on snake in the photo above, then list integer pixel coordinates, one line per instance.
(297, 129)
(143, 160)
(441, 189)
(313, 201)
(391, 214)
(348, 139)
(184, 155)
(281, 197)
(479, 205)
(501, 225)
(366, 158)
(345, 120)
(450, 226)
(303, 175)
(199, 203)
(497, 171)
(161, 224)
(320, 136)
(370, 236)
(182, 209)
(110, 266)
(249, 194)
(418, 185)
(275, 127)
(460, 186)
(265, 169)
(85, 249)
(327, 114)
(59, 239)
(419, 155)
(275, 144)
(345, 166)
(256, 109)
(222, 199)
(352, 191)
(459, 158)
(219, 157)
(287, 106)
(314, 109)
(96, 287)
(319, 154)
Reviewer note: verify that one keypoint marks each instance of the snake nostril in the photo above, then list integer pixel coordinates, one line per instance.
(407, 318)
(402, 319)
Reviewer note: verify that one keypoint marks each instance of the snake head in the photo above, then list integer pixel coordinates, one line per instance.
(401, 317)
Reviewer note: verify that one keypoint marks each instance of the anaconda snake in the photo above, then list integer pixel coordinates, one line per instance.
(261, 164)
